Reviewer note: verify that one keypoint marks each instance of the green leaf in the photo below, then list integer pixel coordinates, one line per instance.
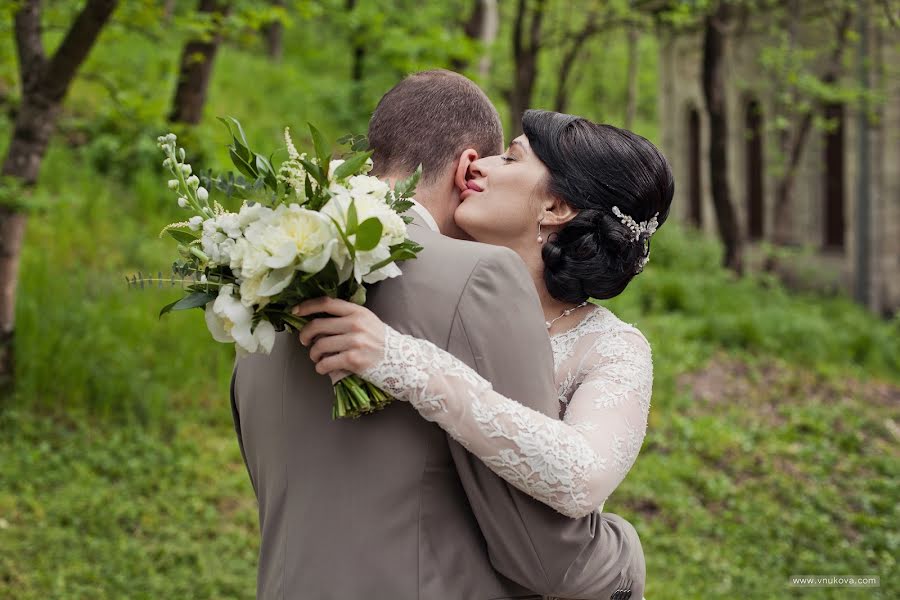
(314, 170)
(264, 168)
(167, 308)
(240, 149)
(351, 165)
(352, 218)
(194, 300)
(242, 165)
(369, 234)
(241, 131)
(322, 151)
(407, 187)
(401, 206)
(183, 236)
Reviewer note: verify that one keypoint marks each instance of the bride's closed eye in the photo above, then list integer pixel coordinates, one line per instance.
(507, 159)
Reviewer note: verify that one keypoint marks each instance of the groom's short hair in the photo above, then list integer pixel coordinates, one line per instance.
(429, 118)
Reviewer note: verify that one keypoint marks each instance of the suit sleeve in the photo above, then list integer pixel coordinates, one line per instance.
(499, 321)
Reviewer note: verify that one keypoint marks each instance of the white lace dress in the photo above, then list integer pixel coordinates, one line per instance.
(604, 374)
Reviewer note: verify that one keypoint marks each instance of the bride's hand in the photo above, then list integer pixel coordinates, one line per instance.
(351, 341)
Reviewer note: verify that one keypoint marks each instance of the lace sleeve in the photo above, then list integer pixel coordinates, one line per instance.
(570, 465)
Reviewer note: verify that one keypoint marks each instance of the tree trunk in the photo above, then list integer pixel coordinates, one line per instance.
(631, 97)
(274, 33)
(45, 83)
(714, 93)
(525, 54)
(168, 10)
(196, 68)
(481, 26)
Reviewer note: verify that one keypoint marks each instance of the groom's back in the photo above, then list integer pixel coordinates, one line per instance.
(373, 507)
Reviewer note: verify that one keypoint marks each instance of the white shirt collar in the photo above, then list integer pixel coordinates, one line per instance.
(426, 216)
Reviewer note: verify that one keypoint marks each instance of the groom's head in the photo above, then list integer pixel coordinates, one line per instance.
(443, 121)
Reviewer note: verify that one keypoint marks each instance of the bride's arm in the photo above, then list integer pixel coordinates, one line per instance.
(571, 465)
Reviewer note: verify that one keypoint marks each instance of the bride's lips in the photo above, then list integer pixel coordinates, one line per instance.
(471, 188)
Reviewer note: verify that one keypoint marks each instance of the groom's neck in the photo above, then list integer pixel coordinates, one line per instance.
(440, 199)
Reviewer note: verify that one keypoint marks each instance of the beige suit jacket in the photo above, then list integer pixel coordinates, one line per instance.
(388, 507)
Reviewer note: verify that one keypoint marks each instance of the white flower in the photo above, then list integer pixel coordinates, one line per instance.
(182, 202)
(250, 288)
(334, 164)
(173, 184)
(294, 239)
(202, 194)
(229, 320)
(193, 181)
(253, 212)
(186, 169)
(368, 195)
(195, 223)
(230, 223)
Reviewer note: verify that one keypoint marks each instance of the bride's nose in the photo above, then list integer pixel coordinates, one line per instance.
(477, 169)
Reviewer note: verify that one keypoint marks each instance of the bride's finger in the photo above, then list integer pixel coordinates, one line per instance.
(323, 326)
(334, 362)
(332, 306)
(330, 344)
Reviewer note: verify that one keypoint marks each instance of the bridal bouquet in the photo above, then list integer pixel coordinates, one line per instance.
(314, 226)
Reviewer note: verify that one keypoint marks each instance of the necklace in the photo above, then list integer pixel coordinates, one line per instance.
(565, 313)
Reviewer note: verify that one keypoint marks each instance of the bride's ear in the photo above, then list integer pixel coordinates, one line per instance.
(557, 211)
(466, 158)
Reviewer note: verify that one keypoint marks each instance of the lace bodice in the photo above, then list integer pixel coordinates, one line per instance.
(604, 376)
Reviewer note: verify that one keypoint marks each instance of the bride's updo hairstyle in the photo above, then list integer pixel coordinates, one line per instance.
(594, 168)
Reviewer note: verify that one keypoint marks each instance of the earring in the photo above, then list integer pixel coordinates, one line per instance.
(540, 238)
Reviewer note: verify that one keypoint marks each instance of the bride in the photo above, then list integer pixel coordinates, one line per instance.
(579, 202)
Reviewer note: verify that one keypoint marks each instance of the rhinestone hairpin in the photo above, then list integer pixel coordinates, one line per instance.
(644, 230)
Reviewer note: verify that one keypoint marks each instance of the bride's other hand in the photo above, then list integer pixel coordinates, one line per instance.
(352, 340)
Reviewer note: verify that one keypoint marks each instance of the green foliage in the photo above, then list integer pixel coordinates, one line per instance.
(119, 451)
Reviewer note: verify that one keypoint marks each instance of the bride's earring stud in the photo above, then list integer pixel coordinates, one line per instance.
(540, 238)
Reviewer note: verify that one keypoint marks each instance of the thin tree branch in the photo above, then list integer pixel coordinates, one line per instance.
(28, 44)
(75, 46)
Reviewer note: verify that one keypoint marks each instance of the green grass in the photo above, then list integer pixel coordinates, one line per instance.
(772, 442)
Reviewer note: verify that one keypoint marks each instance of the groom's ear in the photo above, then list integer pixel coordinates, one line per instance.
(466, 158)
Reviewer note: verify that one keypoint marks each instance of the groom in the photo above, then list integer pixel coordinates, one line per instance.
(388, 506)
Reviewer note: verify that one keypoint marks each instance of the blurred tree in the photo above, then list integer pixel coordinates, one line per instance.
(274, 33)
(803, 82)
(481, 26)
(197, 63)
(527, 41)
(634, 37)
(714, 92)
(545, 26)
(45, 82)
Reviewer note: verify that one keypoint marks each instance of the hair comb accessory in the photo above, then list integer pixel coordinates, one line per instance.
(642, 232)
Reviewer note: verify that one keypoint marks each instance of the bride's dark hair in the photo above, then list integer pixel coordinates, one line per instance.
(594, 168)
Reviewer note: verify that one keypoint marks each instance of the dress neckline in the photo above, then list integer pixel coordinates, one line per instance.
(595, 310)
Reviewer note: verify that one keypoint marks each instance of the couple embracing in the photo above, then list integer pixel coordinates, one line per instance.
(520, 405)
